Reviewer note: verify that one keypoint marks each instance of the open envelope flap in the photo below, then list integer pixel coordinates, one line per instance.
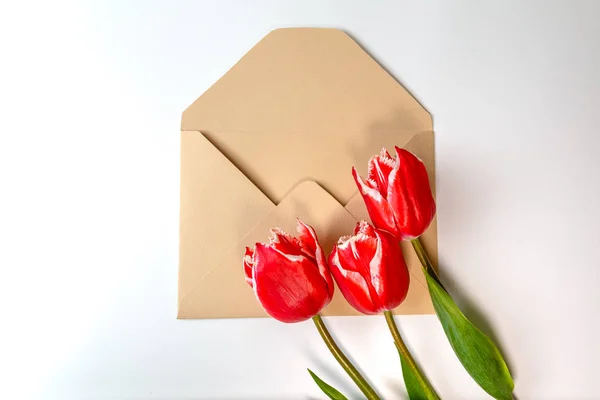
(218, 206)
(305, 79)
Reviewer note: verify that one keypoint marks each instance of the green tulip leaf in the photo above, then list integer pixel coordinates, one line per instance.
(413, 386)
(477, 353)
(329, 390)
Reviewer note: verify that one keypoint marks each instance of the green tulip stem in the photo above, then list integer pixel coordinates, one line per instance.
(423, 382)
(427, 266)
(341, 358)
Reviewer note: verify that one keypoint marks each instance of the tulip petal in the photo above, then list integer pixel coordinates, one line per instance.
(363, 227)
(248, 266)
(365, 254)
(409, 195)
(379, 209)
(358, 255)
(284, 242)
(380, 167)
(307, 237)
(289, 287)
(353, 285)
(385, 154)
(389, 266)
(358, 251)
(310, 243)
(370, 270)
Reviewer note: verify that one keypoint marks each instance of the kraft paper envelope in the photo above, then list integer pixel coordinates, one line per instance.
(275, 139)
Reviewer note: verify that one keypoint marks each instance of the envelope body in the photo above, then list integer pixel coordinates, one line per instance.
(274, 140)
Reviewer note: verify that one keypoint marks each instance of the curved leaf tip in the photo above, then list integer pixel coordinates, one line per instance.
(329, 390)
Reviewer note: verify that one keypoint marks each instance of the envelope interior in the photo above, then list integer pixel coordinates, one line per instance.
(277, 161)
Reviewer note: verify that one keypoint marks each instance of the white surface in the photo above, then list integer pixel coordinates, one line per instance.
(91, 96)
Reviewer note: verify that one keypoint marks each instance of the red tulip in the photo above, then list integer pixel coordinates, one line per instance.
(370, 270)
(290, 276)
(397, 194)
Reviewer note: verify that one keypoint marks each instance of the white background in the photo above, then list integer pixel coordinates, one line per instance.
(90, 103)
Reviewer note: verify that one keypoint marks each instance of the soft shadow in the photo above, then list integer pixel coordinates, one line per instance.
(397, 389)
(473, 312)
(457, 180)
(336, 376)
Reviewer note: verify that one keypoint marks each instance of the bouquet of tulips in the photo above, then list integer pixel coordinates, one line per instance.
(292, 277)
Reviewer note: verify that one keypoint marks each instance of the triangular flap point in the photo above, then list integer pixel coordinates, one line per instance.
(305, 79)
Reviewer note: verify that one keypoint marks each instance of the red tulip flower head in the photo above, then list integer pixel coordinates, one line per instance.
(370, 270)
(290, 276)
(397, 194)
